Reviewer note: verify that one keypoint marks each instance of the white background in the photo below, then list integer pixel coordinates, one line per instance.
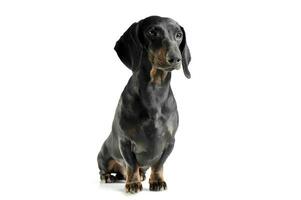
(240, 113)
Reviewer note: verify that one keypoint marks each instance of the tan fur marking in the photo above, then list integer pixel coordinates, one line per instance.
(157, 76)
(115, 166)
(132, 176)
(158, 57)
(156, 175)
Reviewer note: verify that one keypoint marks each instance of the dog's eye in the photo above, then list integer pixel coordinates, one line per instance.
(153, 33)
(179, 36)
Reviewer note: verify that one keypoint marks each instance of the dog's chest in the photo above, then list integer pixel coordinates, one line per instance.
(153, 137)
(162, 112)
(163, 122)
(155, 132)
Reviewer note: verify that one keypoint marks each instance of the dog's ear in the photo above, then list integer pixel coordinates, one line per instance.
(185, 55)
(129, 48)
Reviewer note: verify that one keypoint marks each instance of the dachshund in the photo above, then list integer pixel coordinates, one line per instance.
(146, 118)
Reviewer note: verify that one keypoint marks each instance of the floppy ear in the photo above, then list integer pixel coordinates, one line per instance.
(185, 55)
(129, 48)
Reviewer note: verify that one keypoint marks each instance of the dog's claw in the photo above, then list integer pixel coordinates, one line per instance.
(133, 187)
(157, 186)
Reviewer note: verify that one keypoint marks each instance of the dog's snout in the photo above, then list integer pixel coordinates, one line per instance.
(173, 56)
(173, 59)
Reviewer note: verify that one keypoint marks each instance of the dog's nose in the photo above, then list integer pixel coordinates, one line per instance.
(173, 59)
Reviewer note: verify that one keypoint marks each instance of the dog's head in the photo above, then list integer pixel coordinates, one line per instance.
(162, 40)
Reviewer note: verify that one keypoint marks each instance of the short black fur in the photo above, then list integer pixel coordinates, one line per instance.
(146, 118)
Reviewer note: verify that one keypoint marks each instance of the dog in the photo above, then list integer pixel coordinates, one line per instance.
(146, 118)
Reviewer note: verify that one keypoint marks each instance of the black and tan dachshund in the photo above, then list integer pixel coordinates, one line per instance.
(146, 118)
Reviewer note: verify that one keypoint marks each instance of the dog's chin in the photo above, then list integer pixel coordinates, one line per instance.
(169, 68)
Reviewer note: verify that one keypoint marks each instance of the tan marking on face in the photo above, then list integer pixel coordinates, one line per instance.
(158, 57)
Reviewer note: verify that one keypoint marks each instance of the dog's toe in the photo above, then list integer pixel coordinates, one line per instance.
(133, 187)
(157, 186)
(108, 178)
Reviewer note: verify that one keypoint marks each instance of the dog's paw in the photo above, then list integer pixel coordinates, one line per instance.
(109, 178)
(157, 186)
(133, 187)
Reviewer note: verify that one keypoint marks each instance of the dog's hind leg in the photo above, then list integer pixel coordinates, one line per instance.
(111, 170)
(102, 160)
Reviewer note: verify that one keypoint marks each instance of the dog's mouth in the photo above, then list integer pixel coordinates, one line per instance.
(169, 68)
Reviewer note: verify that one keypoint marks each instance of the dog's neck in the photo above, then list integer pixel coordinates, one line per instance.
(153, 84)
(150, 76)
(157, 76)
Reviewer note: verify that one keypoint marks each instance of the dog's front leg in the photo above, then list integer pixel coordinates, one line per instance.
(156, 180)
(133, 180)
